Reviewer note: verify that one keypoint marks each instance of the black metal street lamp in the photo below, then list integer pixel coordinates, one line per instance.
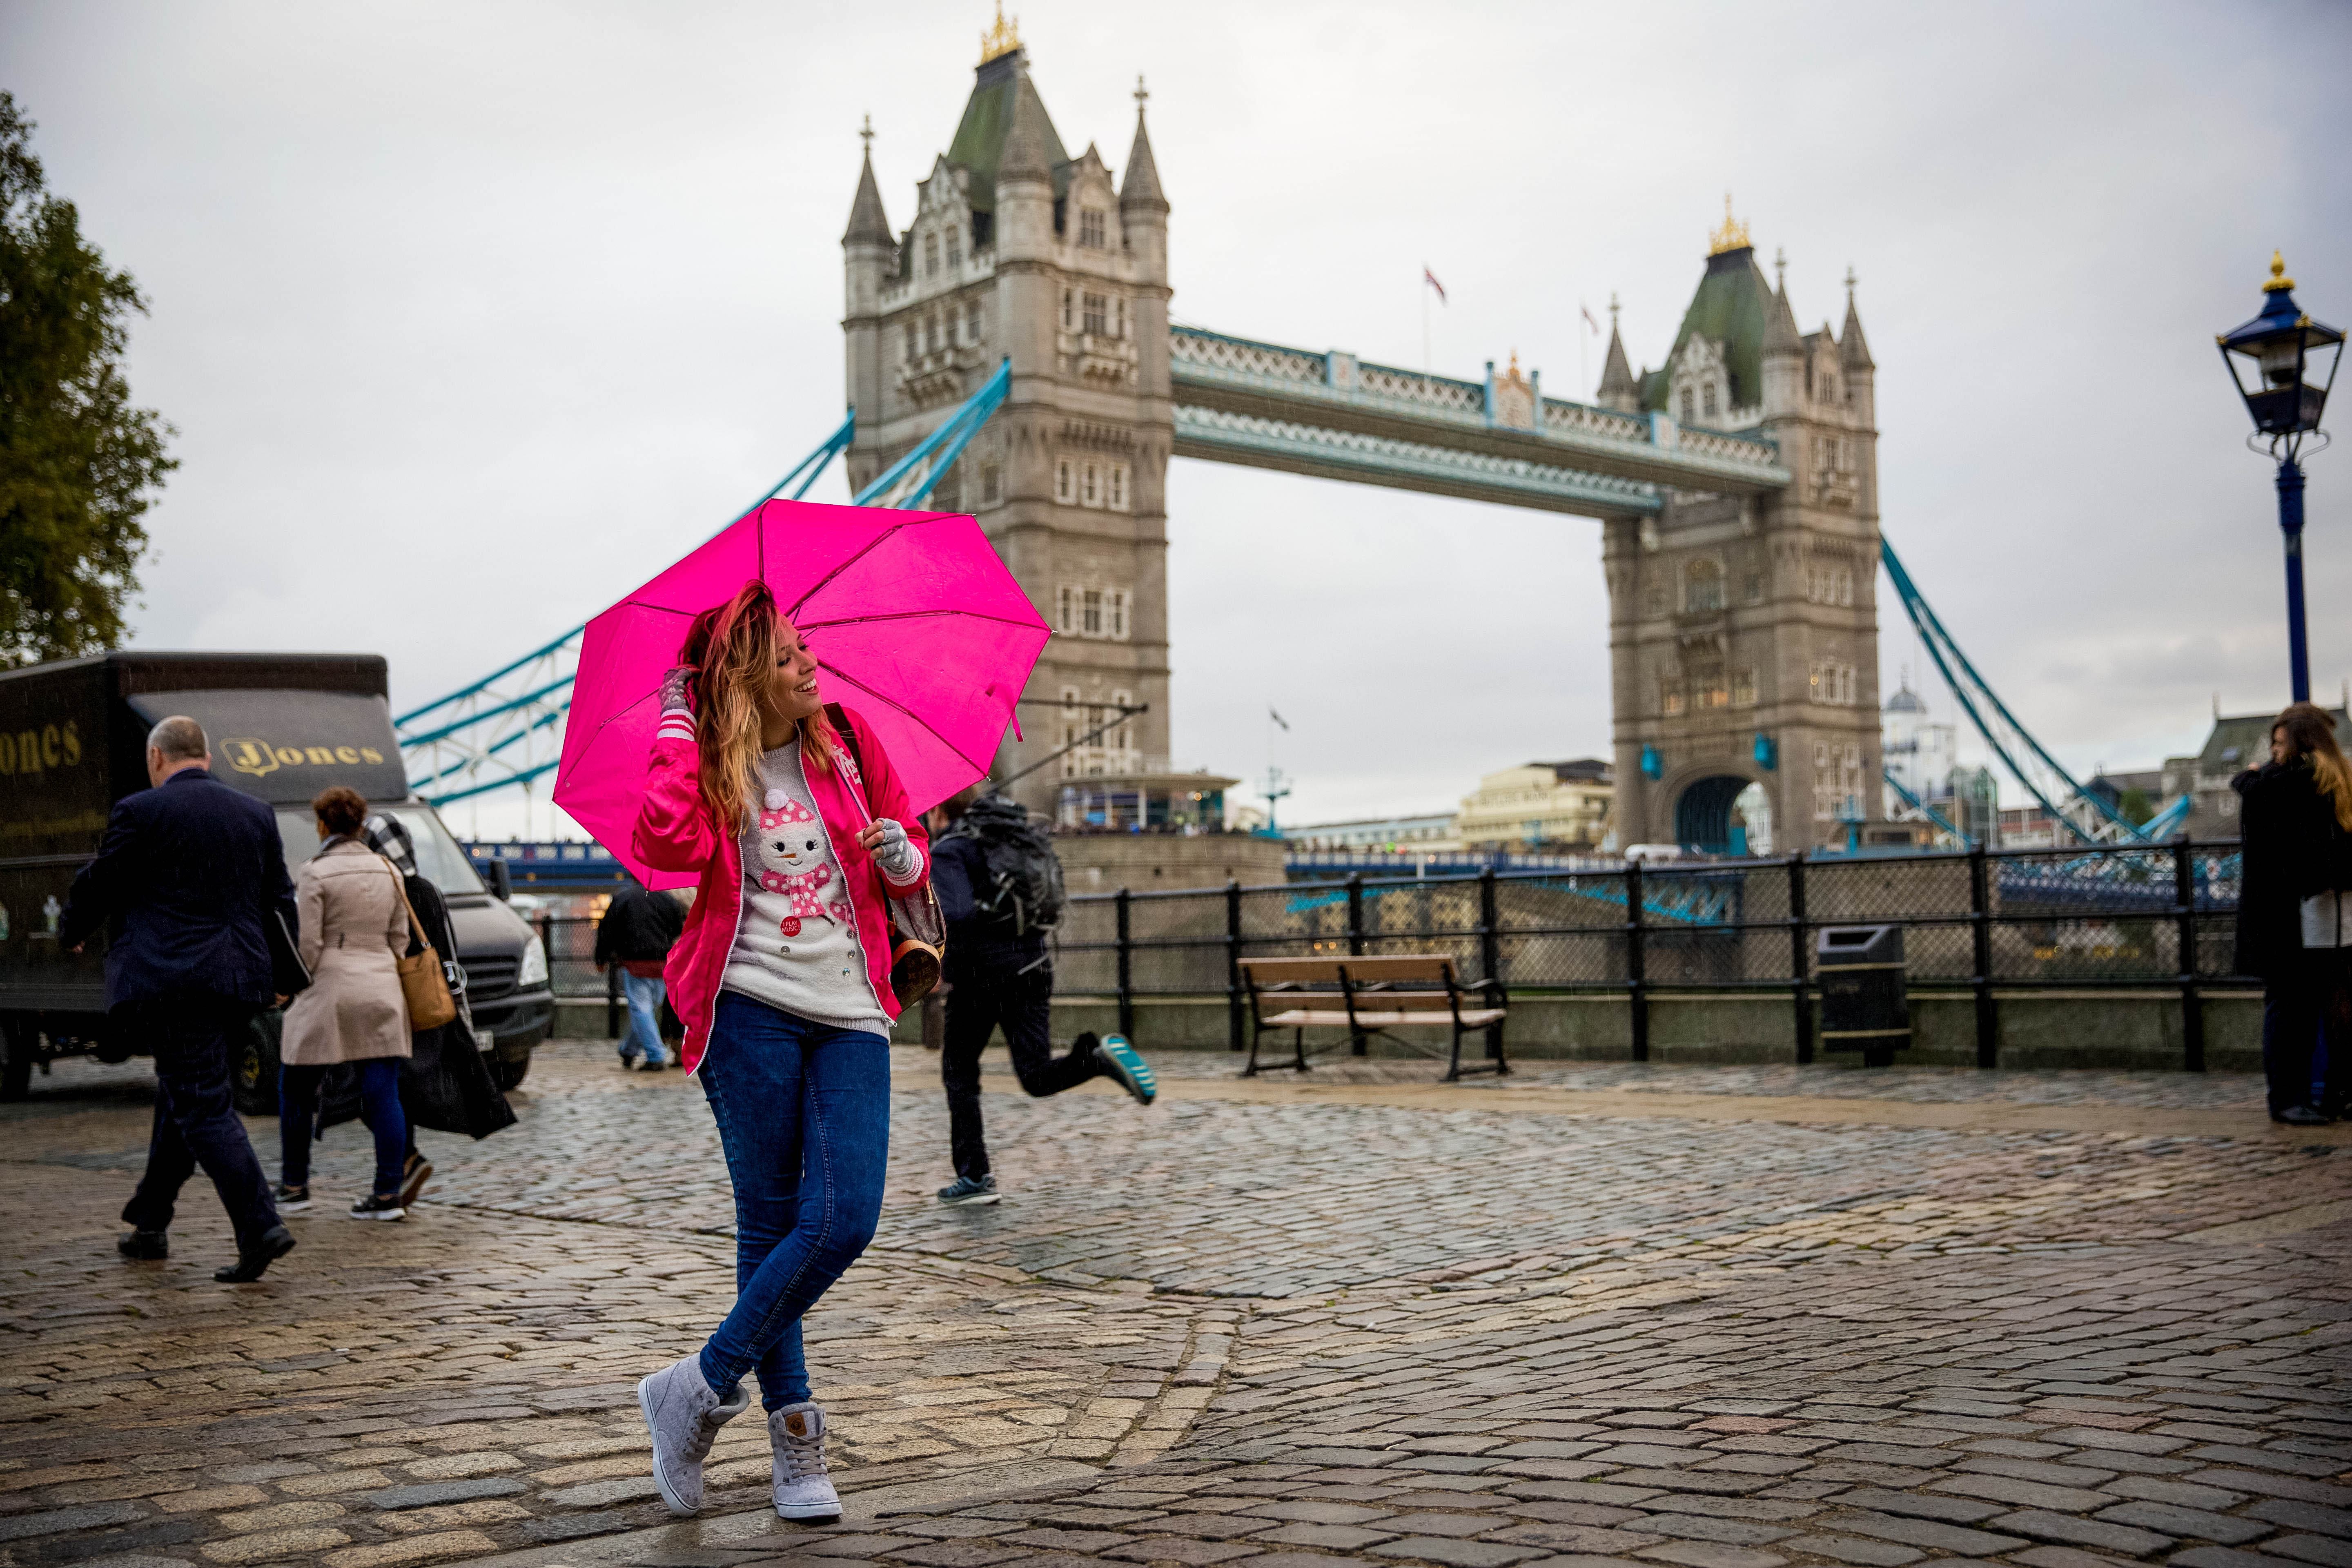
(2274, 359)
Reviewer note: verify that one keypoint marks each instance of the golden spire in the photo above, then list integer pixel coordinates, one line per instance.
(2280, 282)
(1002, 39)
(1732, 235)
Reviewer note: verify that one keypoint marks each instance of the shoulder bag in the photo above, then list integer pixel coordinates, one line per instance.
(918, 932)
(422, 982)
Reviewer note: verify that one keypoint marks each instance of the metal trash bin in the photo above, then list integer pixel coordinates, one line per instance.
(1864, 1005)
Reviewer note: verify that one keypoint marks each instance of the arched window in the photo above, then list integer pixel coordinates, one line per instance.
(1706, 400)
(930, 254)
(1703, 585)
(1688, 417)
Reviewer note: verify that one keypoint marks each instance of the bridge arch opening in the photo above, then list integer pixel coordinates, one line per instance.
(1723, 814)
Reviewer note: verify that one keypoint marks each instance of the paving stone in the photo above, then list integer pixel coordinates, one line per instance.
(2187, 1523)
(1171, 1549)
(1332, 1537)
(449, 1492)
(1921, 1505)
(1853, 1549)
(1313, 1510)
(2040, 1524)
(956, 1554)
(1708, 1554)
(1934, 1536)
(2321, 1549)
(20, 1526)
(1455, 1553)
(2032, 1494)
(2297, 1515)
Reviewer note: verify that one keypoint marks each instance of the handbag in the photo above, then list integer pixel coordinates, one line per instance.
(289, 975)
(422, 982)
(919, 931)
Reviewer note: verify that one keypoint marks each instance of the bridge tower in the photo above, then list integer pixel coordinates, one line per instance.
(1743, 631)
(1018, 250)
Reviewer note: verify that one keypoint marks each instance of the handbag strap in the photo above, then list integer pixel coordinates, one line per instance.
(416, 926)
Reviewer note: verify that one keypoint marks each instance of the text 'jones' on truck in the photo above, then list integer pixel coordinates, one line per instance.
(73, 741)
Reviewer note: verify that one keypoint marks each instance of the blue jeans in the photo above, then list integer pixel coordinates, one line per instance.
(804, 1112)
(380, 1109)
(195, 1116)
(644, 1038)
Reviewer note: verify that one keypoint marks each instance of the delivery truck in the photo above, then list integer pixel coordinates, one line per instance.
(73, 741)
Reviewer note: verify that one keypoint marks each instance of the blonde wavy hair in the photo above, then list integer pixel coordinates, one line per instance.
(731, 648)
(2311, 732)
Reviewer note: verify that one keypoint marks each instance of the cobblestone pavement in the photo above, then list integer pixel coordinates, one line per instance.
(1482, 1335)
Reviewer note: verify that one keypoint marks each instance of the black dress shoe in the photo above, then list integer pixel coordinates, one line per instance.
(2300, 1116)
(276, 1242)
(144, 1246)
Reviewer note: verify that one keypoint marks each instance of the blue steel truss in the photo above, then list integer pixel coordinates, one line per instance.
(1930, 812)
(2025, 758)
(505, 730)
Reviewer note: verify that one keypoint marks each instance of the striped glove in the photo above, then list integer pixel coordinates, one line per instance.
(676, 718)
(893, 853)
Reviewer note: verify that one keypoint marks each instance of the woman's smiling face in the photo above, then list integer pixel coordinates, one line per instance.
(792, 686)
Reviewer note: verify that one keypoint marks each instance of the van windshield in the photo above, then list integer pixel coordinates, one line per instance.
(438, 858)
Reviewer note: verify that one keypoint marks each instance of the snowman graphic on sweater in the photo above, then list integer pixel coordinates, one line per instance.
(796, 863)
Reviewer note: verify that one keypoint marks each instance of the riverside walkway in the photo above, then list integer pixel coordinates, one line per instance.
(1706, 1318)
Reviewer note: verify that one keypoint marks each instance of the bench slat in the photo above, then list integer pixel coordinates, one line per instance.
(1312, 1018)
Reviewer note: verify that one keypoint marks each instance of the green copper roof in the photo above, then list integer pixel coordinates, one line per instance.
(979, 143)
(1733, 306)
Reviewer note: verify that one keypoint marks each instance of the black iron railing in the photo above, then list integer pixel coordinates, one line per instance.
(2135, 917)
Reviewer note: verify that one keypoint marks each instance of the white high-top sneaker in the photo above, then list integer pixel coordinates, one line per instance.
(804, 1490)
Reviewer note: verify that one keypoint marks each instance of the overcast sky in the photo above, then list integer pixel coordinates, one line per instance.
(471, 317)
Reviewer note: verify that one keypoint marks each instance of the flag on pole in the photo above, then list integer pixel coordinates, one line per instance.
(1431, 278)
(1276, 717)
(1588, 321)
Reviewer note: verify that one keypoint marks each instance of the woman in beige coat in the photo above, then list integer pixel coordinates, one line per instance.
(355, 925)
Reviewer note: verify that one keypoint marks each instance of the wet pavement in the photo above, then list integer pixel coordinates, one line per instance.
(1595, 1311)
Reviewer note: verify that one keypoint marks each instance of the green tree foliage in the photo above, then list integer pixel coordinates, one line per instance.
(2135, 807)
(78, 465)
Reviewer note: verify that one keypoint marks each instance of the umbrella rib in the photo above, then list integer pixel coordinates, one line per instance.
(917, 718)
(923, 614)
(862, 551)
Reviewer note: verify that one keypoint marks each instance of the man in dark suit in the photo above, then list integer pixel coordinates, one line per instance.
(186, 874)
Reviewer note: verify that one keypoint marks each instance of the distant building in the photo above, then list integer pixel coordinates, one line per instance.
(1379, 836)
(1547, 806)
(1920, 755)
(2235, 744)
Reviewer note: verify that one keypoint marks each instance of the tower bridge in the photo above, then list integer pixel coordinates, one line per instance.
(1736, 486)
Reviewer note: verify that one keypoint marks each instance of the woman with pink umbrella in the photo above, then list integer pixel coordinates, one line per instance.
(800, 835)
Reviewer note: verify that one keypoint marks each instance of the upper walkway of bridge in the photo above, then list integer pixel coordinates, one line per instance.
(1330, 414)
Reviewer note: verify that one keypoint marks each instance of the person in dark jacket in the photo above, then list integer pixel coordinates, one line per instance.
(999, 974)
(2295, 813)
(639, 927)
(186, 874)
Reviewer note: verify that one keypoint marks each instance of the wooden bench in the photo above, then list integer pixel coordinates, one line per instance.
(1367, 996)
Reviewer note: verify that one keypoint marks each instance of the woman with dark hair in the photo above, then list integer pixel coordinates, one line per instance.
(788, 811)
(2296, 827)
(354, 926)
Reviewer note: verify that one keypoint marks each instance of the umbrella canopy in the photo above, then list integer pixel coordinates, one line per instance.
(914, 621)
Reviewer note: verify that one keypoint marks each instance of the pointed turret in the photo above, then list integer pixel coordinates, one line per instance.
(1854, 349)
(1619, 390)
(1783, 356)
(1142, 191)
(1030, 144)
(868, 223)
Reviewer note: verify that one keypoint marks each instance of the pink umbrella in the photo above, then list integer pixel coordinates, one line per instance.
(915, 622)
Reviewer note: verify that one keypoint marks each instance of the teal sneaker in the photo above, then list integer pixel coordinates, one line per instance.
(1134, 1074)
(966, 1193)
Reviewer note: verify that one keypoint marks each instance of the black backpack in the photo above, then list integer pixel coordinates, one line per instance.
(1023, 889)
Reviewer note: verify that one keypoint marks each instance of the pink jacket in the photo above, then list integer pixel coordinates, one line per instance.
(675, 832)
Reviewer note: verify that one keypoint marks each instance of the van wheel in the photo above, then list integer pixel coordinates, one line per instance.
(253, 1077)
(511, 1070)
(15, 1058)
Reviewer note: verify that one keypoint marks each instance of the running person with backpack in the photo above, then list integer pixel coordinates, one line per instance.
(999, 889)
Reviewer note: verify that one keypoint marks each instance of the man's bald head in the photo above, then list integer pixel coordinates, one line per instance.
(180, 739)
(177, 743)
